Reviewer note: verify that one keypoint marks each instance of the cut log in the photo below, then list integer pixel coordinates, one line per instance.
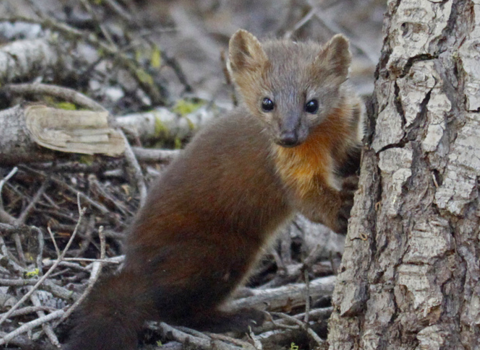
(24, 128)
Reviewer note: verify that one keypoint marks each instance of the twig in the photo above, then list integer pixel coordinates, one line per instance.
(12, 261)
(117, 8)
(46, 327)
(48, 285)
(309, 331)
(53, 241)
(315, 315)
(95, 18)
(257, 344)
(84, 197)
(30, 309)
(54, 91)
(301, 23)
(6, 217)
(4, 180)
(307, 295)
(292, 295)
(135, 169)
(240, 343)
(81, 212)
(183, 337)
(163, 156)
(23, 217)
(96, 271)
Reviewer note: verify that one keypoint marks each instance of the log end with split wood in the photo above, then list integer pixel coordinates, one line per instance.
(32, 132)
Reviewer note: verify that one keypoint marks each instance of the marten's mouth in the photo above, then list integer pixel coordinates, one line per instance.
(288, 144)
(288, 138)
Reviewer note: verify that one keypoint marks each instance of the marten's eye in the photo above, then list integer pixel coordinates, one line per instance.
(267, 105)
(311, 106)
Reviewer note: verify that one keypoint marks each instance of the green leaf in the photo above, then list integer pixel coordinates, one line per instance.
(144, 77)
(178, 143)
(66, 105)
(31, 274)
(156, 59)
(184, 107)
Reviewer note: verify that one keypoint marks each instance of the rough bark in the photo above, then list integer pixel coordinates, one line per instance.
(410, 273)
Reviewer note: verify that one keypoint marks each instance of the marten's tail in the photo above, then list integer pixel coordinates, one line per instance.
(112, 316)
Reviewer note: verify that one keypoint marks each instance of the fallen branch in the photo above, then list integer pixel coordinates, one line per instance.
(27, 58)
(289, 296)
(24, 128)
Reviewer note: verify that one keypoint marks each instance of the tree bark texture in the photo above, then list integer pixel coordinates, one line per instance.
(410, 276)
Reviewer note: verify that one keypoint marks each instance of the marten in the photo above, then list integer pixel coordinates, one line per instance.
(215, 208)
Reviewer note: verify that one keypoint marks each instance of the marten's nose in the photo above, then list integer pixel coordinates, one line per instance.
(288, 138)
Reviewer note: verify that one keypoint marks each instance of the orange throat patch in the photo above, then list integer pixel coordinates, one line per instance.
(305, 166)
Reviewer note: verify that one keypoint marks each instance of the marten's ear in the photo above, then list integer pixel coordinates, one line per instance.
(335, 57)
(245, 51)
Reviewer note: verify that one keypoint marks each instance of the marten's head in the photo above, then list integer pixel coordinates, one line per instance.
(292, 87)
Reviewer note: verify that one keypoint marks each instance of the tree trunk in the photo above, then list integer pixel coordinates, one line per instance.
(410, 273)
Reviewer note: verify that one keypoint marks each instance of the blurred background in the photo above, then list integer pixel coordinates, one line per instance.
(195, 33)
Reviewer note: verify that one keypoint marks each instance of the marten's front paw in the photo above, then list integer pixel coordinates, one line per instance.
(247, 317)
(349, 186)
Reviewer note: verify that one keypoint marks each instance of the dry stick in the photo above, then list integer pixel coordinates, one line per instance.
(23, 217)
(300, 23)
(30, 309)
(53, 240)
(7, 229)
(96, 270)
(117, 8)
(55, 91)
(307, 295)
(106, 261)
(30, 325)
(257, 344)
(95, 18)
(334, 28)
(3, 181)
(81, 212)
(11, 259)
(135, 167)
(41, 245)
(183, 337)
(46, 327)
(155, 155)
(280, 325)
(6, 217)
(242, 344)
(310, 331)
(66, 186)
(198, 342)
(48, 285)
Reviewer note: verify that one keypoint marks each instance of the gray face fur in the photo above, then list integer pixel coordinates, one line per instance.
(290, 75)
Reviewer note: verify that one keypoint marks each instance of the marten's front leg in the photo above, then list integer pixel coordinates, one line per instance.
(328, 206)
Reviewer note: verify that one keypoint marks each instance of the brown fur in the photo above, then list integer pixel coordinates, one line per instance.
(219, 203)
